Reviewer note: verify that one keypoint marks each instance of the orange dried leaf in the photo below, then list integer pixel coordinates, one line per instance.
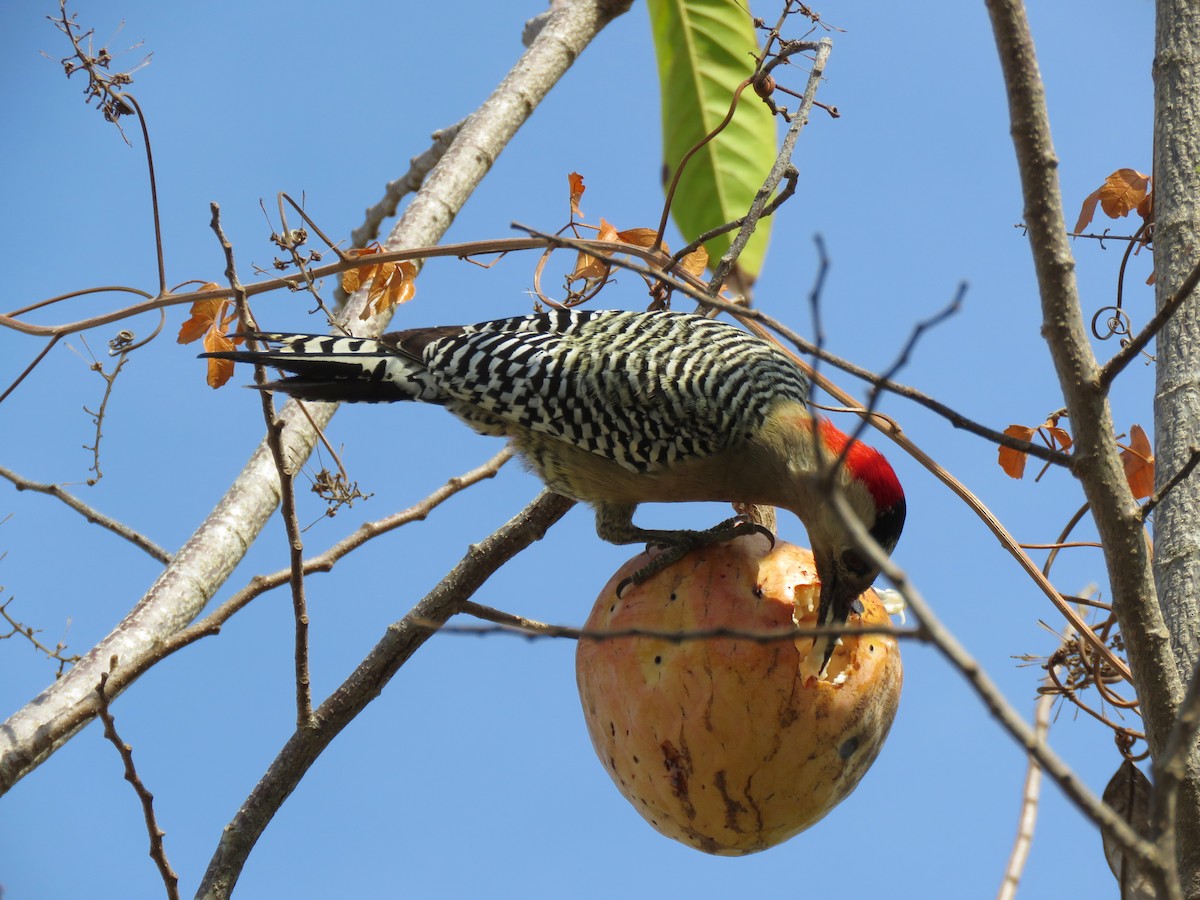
(219, 370)
(392, 285)
(1013, 461)
(1122, 191)
(1087, 212)
(642, 237)
(204, 313)
(1059, 438)
(353, 279)
(695, 262)
(575, 180)
(590, 267)
(1145, 209)
(1138, 459)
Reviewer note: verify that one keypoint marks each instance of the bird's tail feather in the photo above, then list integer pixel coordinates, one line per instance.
(337, 369)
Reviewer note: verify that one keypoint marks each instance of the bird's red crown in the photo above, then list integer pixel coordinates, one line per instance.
(867, 465)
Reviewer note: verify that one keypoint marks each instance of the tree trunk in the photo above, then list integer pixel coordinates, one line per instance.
(1177, 396)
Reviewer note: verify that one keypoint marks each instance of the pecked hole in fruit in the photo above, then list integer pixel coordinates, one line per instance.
(848, 746)
(658, 660)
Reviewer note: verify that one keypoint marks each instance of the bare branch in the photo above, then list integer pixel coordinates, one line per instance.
(1137, 344)
(287, 492)
(408, 183)
(1169, 485)
(783, 162)
(28, 632)
(158, 852)
(91, 514)
(401, 640)
(508, 623)
(110, 379)
(1030, 796)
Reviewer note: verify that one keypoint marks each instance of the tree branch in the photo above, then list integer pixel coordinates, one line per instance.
(90, 513)
(401, 640)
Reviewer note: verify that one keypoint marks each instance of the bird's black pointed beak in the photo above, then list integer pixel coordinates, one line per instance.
(828, 614)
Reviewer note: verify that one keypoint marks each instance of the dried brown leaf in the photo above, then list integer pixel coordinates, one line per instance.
(204, 313)
(1138, 459)
(575, 180)
(219, 370)
(1122, 191)
(695, 262)
(1013, 461)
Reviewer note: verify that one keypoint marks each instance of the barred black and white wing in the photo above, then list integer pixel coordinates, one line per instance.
(641, 389)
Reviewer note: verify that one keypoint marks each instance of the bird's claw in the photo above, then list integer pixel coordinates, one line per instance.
(680, 544)
(740, 526)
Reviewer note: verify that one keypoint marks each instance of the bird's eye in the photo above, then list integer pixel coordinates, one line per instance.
(852, 561)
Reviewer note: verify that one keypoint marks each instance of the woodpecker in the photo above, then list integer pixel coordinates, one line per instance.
(616, 408)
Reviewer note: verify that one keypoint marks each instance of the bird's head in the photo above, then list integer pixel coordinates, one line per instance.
(873, 492)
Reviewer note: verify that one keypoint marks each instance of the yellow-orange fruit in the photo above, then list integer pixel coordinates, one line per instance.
(729, 744)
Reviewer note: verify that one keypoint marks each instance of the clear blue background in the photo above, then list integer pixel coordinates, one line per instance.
(472, 774)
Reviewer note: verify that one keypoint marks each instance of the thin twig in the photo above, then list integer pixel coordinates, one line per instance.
(92, 515)
(28, 632)
(1030, 795)
(409, 182)
(16, 382)
(158, 852)
(110, 379)
(158, 241)
(510, 624)
(783, 161)
(287, 494)
(1111, 369)
(1184, 471)
(13, 321)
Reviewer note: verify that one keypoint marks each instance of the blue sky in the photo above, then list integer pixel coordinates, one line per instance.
(472, 774)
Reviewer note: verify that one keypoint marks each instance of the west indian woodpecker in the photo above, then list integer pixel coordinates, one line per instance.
(618, 408)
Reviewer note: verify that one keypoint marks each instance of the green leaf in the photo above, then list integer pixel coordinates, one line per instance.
(705, 49)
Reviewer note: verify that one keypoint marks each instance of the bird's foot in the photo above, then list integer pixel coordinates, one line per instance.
(675, 545)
